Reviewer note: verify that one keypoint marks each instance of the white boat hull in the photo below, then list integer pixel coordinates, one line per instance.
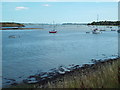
(96, 32)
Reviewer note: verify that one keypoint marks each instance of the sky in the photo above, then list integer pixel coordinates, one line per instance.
(60, 0)
(60, 12)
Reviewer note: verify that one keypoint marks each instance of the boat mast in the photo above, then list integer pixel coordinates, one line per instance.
(97, 18)
(53, 26)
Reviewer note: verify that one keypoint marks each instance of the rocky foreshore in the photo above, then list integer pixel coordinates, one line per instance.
(43, 78)
(54, 75)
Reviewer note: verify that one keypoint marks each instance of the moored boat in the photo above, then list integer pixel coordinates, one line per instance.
(96, 31)
(52, 31)
(12, 36)
(113, 30)
(87, 32)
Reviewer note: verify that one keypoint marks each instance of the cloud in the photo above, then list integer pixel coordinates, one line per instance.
(52, 0)
(46, 5)
(21, 8)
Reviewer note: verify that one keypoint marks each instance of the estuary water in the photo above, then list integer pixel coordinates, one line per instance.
(33, 51)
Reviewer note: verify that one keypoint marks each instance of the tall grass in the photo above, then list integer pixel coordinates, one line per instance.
(105, 76)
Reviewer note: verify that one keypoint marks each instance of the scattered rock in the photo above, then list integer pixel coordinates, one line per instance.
(57, 72)
(96, 61)
(8, 82)
(19, 77)
(14, 84)
(44, 76)
(85, 65)
(61, 72)
(32, 82)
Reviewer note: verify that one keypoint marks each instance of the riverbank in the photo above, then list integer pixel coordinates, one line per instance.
(11, 24)
(108, 26)
(112, 23)
(101, 74)
(18, 28)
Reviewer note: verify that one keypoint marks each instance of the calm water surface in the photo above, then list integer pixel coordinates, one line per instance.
(34, 51)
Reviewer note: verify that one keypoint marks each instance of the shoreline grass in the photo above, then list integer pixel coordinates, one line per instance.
(99, 75)
(102, 76)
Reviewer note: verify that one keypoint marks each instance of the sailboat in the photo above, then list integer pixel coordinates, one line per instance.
(96, 31)
(53, 31)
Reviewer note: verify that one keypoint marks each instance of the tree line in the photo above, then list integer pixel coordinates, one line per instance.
(105, 23)
(10, 24)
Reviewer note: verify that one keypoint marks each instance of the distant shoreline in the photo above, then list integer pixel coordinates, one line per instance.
(104, 25)
(18, 28)
(112, 23)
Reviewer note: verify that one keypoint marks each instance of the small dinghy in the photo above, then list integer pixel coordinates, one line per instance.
(12, 36)
(53, 31)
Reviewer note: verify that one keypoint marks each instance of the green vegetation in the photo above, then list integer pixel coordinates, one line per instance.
(115, 23)
(100, 75)
(11, 24)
